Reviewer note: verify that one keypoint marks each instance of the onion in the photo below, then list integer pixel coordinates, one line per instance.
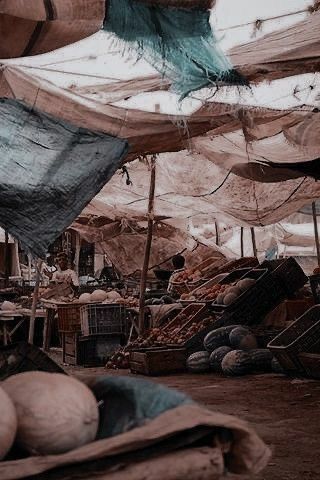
(56, 413)
(8, 423)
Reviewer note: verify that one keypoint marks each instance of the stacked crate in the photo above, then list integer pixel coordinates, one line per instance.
(91, 333)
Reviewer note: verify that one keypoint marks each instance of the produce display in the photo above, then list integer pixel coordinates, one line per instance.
(233, 351)
(54, 413)
(221, 294)
(189, 275)
(199, 362)
(8, 423)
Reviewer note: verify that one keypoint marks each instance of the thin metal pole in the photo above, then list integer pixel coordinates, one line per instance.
(316, 232)
(254, 245)
(144, 272)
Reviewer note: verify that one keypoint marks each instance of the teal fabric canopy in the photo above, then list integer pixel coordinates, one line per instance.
(178, 42)
(49, 171)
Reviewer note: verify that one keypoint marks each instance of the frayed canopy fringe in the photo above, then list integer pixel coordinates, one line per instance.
(178, 42)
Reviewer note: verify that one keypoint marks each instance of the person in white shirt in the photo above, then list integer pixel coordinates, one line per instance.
(65, 274)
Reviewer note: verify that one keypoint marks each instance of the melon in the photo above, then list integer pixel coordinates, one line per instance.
(242, 339)
(199, 362)
(245, 284)
(56, 413)
(261, 360)
(236, 363)
(113, 295)
(85, 298)
(216, 358)
(8, 423)
(229, 299)
(218, 338)
(8, 306)
(98, 296)
(276, 366)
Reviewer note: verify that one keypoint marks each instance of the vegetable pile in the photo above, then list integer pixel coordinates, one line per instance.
(221, 294)
(232, 351)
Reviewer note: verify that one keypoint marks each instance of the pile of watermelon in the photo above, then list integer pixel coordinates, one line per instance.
(233, 351)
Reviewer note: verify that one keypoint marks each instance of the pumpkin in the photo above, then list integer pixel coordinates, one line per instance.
(85, 298)
(236, 363)
(98, 296)
(8, 423)
(56, 413)
(242, 339)
(6, 306)
(199, 362)
(216, 358)
(218, 338)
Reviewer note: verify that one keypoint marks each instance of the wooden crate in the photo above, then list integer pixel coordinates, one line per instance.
(158, 361)
(70, 347)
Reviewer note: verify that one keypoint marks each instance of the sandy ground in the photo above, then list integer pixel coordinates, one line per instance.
(285, 412)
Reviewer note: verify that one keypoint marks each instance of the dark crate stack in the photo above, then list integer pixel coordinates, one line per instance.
(90, 334)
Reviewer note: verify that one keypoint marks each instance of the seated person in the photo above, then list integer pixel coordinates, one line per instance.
(178, 262)
(64, 274)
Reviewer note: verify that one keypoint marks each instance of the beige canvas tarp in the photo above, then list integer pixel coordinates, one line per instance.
(290, 51)
(246, 454)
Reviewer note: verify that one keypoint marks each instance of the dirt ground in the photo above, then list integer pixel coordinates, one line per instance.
(285, 412)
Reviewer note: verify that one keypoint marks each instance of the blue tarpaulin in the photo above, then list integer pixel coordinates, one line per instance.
(49, 171)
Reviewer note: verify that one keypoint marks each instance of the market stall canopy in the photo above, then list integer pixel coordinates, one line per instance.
(50, 170)
(189, 185)
(3, 237)
(124, 243)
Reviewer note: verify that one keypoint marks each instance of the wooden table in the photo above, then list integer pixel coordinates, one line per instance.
(10, 316)
(6, 330)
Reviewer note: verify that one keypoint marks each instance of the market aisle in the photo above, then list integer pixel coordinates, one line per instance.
(284, 412)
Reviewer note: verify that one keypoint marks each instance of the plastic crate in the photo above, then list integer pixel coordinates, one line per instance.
(302, 336)
(95, 350)
(102, 318)
(289, 274)
(252, 307)
(69, 317)
(192, 312)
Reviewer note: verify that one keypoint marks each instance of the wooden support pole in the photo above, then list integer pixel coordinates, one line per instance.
(7, 258)
(241, 242)
(148, 245)
(217, 234)
(316, 232)
(254, 245)
(77, 253)
(35, 301)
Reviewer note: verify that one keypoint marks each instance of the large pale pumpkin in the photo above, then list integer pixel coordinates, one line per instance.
(8, 423)
(56, 413)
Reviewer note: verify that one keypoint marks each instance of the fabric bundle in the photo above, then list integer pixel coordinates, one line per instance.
(176, 38)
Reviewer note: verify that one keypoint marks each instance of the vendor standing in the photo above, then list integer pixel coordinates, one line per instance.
(64, 274)
(178, 262)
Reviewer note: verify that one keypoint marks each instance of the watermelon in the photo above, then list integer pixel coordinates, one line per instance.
(242, 339)
(218, 338)
(261, 360)
(199, 362)
(276, 366)
(237, 363)
(216, 358)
